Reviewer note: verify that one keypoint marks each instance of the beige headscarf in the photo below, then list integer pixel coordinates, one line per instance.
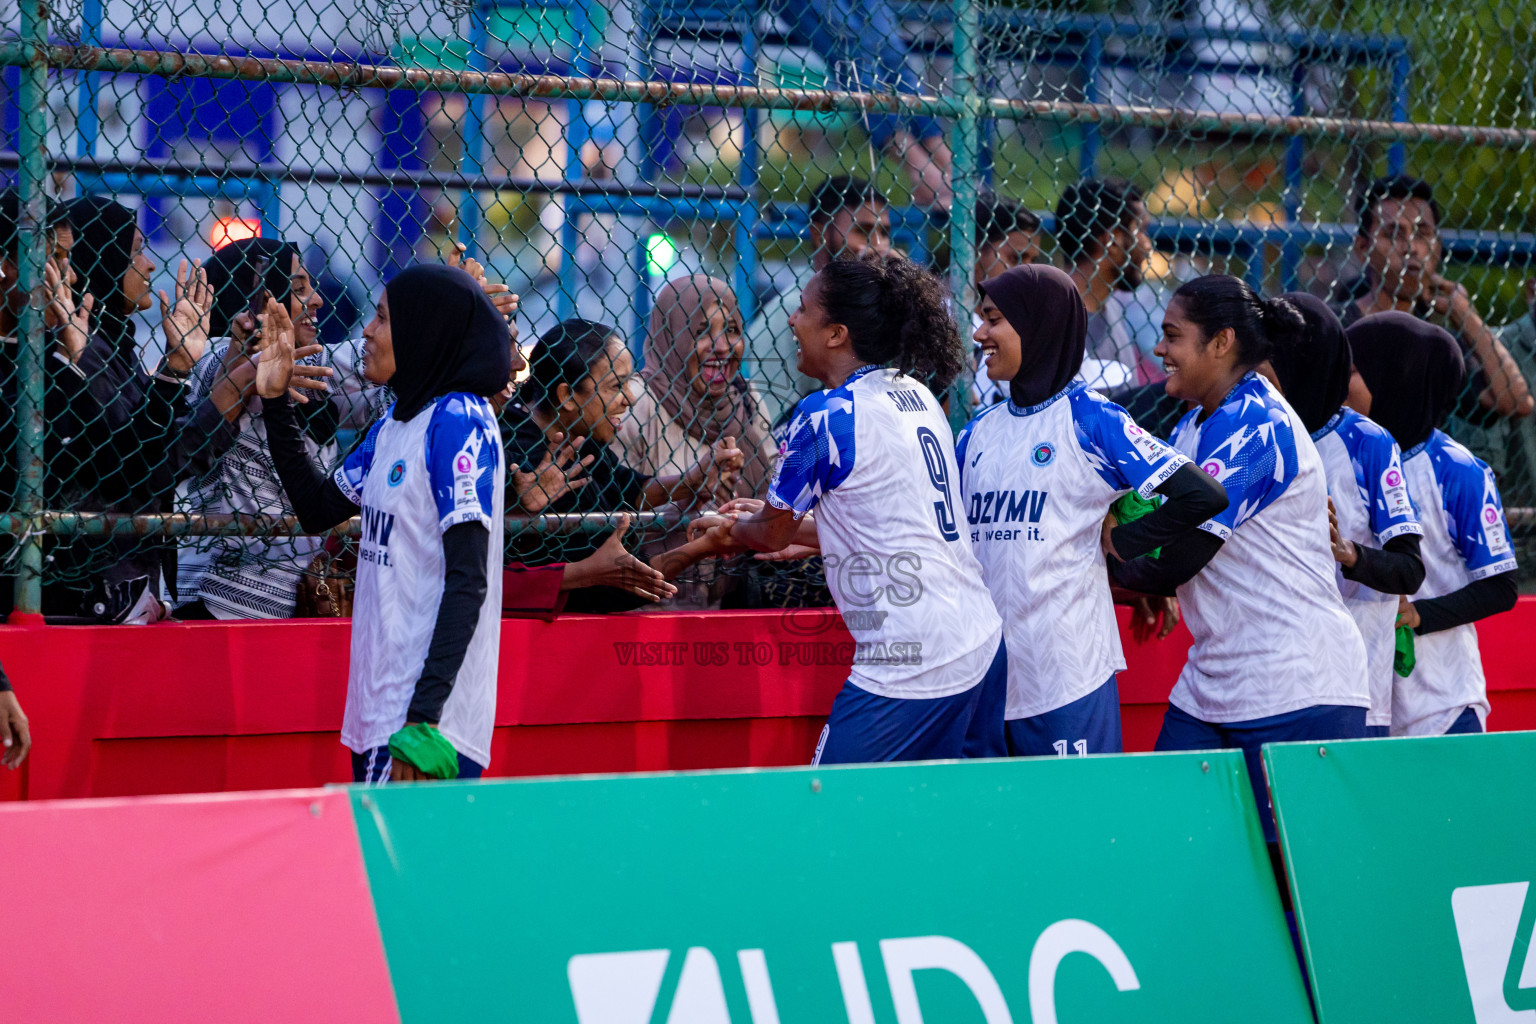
(667, 346)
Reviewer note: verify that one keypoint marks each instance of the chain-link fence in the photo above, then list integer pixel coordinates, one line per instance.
(671, 174)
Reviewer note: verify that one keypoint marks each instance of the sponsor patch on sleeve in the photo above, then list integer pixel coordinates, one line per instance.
(465, 473)
(1150, 447)
(1394, 493)
(1493, 531)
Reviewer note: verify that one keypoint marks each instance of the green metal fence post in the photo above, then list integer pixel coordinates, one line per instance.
(31, 242)
(962, 215)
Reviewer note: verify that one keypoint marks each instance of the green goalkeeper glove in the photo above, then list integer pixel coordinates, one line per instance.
(1403, 659)
(1130, 507)
(426, 748)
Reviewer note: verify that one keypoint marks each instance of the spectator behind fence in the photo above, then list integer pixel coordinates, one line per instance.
(1398, 243)
(691, 394)
(847, 215)
(1519, 338)
(1007, 236)
(120, 438)
(67, 325)
(256, 577)
(1102, 229)
(578, 388)
(863, 46)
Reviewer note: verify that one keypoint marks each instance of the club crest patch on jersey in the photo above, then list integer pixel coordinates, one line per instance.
(1044, 454)
(1394, 493)
(397, 473)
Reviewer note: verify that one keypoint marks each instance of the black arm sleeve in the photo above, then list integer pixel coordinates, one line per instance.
(5, 682)
(1193, 497)
(1476, 600)
(1177, 564)
(466, 548)
(1394, 568)
(320, 417)
(316, 499)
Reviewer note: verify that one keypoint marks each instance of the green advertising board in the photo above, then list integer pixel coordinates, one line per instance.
(1106, 889)
(1411, 863)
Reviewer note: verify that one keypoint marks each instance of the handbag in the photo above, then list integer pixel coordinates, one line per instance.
(326, 587)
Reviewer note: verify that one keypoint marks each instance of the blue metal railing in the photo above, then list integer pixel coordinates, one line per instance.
(1076, 40)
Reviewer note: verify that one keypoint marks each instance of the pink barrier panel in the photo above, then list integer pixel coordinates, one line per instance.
(209, 908)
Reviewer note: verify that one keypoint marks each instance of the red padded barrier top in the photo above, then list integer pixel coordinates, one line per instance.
(255, 705)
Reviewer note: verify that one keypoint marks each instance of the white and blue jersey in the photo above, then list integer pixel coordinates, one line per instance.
(1036, 483)
(415, 480)
(1371, 498)
(875, 457)
(1271, 632)
(1465, 539)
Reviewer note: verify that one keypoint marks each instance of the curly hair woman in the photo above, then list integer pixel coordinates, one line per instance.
(874, 456)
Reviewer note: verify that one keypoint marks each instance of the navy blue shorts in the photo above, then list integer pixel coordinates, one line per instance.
(371, 767)
(1182, 731)
(1088, 725)
(865, 727)
(1466, 722)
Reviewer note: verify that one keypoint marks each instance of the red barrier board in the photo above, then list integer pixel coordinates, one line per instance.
(253, 909)
(199, 707)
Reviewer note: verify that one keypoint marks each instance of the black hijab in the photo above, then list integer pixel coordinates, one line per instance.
(1043, 305)
(1313, 364)
(447, 337)
(232, 276)
(1414, 370)
(101, 257)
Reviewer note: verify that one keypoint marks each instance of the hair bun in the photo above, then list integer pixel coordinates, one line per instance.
(1281, 314)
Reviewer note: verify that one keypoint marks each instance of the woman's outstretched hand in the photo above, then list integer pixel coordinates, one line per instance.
(71, 319)
(714, 477)
(557, 474)
(276, 369)
(612, 566)
(501, 296)
(185, 321)
(274, 360)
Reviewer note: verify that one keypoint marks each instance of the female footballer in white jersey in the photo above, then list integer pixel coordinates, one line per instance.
(1374, 527)
(1276, 655)
(428, 479)
(1415, 373)
(1038, 474)
(874, 456)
